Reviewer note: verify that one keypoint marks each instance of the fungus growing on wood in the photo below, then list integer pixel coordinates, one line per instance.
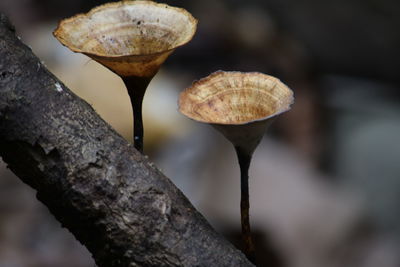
(132, 39)
(240, 106)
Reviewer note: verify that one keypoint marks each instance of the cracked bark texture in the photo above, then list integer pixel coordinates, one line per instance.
(114, 201)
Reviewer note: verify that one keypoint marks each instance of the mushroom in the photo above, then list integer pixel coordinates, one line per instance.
(240, 106)
(132, 39)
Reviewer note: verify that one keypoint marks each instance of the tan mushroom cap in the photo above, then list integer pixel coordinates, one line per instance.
(129, 37)
(235, 98)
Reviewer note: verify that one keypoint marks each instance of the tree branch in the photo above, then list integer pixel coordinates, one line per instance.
(115, 202)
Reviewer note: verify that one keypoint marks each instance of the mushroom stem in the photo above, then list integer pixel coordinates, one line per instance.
(136, 87)
(244, 162)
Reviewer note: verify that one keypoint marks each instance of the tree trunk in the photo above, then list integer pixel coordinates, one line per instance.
(114, 201)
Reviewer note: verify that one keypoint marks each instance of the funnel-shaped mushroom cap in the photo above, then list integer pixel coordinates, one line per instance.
(240, 105)
(132, 38)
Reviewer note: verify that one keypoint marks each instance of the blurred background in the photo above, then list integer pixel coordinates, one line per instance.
(325, 180)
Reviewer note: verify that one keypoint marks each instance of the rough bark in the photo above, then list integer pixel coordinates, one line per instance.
(114, 201)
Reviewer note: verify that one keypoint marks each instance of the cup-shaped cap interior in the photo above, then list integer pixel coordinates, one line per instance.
(235, 98)
(128, 35)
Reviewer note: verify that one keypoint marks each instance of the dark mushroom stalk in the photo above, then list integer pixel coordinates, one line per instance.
(240, 106)
(132, 39)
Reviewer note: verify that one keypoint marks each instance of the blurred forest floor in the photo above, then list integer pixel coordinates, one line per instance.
(325, 181)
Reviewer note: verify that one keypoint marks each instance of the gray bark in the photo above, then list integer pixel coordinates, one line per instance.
(114, 201)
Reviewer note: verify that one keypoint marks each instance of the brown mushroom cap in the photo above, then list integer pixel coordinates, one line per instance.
(121, 33)
(235, 98)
